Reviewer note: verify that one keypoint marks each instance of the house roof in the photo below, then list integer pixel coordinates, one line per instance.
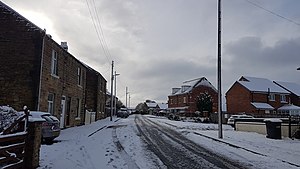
(162, 105)
(20, 18)
(289, 86)
(151, 104)
(263, 106)
(255, 84)
(289, 107)
(189, 85)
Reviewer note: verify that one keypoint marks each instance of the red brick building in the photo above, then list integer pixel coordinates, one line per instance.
(184, 99)
(257, 96)
(40, 73)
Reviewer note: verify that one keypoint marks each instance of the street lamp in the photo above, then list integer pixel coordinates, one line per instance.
(298, 68)
(115, 105)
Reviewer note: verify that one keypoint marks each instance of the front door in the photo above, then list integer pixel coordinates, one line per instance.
(63, 110)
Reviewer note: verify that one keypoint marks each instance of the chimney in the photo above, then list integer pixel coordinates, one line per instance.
(64, 45)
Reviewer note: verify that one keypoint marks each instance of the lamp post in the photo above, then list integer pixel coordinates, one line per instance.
(111, 91)
(115, 105)
(219, 73)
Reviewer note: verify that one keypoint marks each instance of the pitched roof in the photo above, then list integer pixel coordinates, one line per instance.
(264, 106)
(19, 17)
(256, 84)
(289, 86)
(162, 105)
(189, 85)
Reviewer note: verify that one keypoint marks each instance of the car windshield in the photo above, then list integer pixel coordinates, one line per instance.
(48, 118)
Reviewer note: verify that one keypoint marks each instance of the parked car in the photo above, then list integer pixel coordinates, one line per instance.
(122, 114)
(50, 127)
(232, 118)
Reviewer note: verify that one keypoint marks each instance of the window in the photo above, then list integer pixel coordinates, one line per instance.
(51, 97)
(184, 99)
(282, 98)
(79, 76)
(78, 109)
(272, 97)
(54, 63)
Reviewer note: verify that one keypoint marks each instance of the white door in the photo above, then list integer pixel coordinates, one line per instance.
(63, 111)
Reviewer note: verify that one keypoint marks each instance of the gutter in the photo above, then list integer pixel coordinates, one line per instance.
(41, 71)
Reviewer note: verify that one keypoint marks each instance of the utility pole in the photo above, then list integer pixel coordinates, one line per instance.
(115, 106)
(129, 101)
(219, 72)
(126, 92)
(111, 91)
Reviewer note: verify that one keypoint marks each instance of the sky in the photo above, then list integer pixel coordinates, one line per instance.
(156, 45)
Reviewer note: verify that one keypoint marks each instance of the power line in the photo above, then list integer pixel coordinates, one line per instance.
(273, 13)
(105, 49)
(101, 30)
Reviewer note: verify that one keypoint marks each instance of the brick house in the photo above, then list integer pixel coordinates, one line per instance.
(184, 99)
(257, 96)
(40, 73)
(95, 101)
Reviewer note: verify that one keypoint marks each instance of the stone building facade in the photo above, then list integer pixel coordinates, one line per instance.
(38, 72)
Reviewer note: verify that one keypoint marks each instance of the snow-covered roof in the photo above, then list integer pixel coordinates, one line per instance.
(289, 107)
(264, 106)
(289, 86)
(162, 105)
(189, 85)
(256, 84)
(151, 104)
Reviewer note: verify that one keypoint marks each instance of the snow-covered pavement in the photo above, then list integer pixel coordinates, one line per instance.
(117, 144)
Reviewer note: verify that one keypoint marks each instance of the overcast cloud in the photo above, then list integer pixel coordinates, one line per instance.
(158, 44)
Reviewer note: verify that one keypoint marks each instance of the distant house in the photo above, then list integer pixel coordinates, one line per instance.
(162, 106)
(257, 96)
(293, 88)
(38, 72)
(184, 99)
(294, 107)
(151, 106)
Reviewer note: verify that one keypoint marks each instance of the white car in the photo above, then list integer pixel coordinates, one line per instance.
(232, 118)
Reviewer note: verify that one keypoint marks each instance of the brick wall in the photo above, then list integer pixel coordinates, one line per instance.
(238, 99)
(20, 51)
(96, 93)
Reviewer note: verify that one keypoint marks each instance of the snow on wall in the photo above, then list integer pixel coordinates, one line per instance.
(7, 116)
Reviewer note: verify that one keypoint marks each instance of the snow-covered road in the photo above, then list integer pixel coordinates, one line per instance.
(118, 144)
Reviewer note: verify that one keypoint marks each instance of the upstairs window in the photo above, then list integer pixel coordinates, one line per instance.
(79, 76)
(272, 97)
(54, 63)
(283, 98)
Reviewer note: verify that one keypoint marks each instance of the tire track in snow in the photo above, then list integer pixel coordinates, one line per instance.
(130, 163)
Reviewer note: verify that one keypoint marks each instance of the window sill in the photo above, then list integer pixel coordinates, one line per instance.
(77, 118)
(55, 76)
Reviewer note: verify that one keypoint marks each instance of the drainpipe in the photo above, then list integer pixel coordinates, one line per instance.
(41, 71)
